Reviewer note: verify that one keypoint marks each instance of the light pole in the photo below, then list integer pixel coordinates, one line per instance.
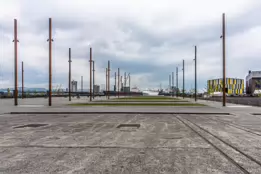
(177, 81)
(195, 73)
(90, 73)
(70, 74)
(172, 84)
(224, 57)
(106, 89)
(15, 93)
(109, 69)
(93, 79)
(183, 78)
(169, 83)
(50, 61)
(22, 79)
(118, 82)
(115, 83)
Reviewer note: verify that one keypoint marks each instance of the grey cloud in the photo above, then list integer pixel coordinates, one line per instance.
(86, 30)
(196, 35)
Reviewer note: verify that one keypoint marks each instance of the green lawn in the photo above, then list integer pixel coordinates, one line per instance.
(131, 101)
(147, 98)
(136, 104)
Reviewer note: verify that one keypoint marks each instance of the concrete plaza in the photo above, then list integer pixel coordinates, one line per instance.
(127, 139)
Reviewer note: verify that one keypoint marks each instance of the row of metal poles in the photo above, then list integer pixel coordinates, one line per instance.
(120, 84)
(50, 40)
(92, 78)
(171, 78)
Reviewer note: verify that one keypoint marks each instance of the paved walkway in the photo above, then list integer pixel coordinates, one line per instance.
(234, 108)
(61, 105)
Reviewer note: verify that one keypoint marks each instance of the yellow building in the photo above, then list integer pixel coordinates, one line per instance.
(233, 86)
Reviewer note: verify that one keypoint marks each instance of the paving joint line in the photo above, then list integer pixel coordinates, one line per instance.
(213, 145)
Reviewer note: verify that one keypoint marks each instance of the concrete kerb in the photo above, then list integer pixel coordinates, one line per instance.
(120, 112)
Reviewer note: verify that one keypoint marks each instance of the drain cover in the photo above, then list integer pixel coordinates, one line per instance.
(31, 125)
(128, 127)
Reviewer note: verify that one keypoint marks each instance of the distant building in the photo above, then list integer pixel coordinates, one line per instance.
(233, 86)
(135, 89)
(253, 81)
(74, 86)
(96, 88)
(126, 89)
(114, 88)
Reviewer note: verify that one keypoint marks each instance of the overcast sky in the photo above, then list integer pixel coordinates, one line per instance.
(146, 38)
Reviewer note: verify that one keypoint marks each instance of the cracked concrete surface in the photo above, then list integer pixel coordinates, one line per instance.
(94, 144)
(164, 143)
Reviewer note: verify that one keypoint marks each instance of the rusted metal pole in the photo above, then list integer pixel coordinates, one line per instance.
(93, 78)
(172, 84)
(121, 84)
(224, 58)
(129, 84)
(22, 79)
(169, 82)
(70, 75)
(125, 81)
(115, 85)
(183, 78)
(195, 73)
(118, 82)
(106, 88)
(15, 92)
(50, 61)
(177, 81)
(109, 79)
(90, 74)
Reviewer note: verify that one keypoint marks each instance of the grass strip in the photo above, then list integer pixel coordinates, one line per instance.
(143, 101)
(136, 104)
(146, 98)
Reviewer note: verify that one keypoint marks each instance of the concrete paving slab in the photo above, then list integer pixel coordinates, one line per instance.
(93, 143)
(246, 161)
(232, 108)
(98, 160)
(120, 109)
(252, 101)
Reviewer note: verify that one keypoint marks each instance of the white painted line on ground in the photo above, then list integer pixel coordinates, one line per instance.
(239, 106)
(31, 106)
